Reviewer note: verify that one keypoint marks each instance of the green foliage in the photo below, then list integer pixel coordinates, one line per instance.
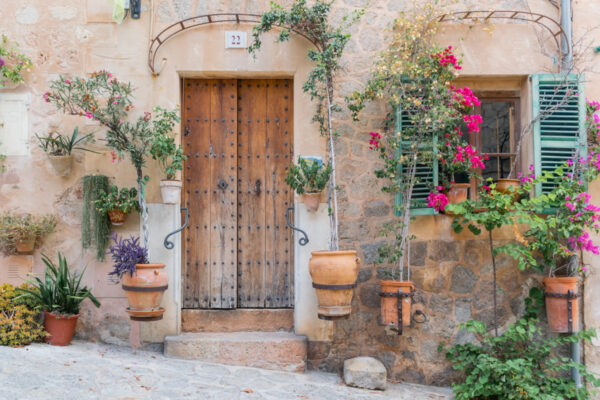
(124, 199)
(308, 176)
(12, 62)
(60, 292)
(2, 159)
(62, 145)
(19, 322)
(163, 149)
(520, 364)
(18, 227)
(92, 219)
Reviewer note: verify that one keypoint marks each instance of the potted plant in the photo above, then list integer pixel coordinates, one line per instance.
(144, 283)
(12, 64)
(117, 203)
(333, 272)
(308, 178)
(59, 149)
(22, 233)
(59, 295)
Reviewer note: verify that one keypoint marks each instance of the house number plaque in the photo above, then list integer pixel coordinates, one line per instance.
(236, 40)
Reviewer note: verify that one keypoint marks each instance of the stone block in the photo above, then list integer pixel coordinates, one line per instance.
(377, 209)
(369, 295)
(444, 251)
(365, 372)
(462, 309)
(463, 280)
(318, 349)
(364, 274)
(418, 253)
(370, 252)
(441, 304)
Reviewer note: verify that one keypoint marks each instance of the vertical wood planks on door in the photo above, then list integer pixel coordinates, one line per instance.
(279, 240)
(252, 125)
(223, 177)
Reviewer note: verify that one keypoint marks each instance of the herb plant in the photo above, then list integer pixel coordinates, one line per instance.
(61, 291)
(521, 364)
(18, 227)
(163, 149)
(308, 176)
(19, 323)
(12, 62)
(62, 145)
(330, 42)
(126, 253)
(124, 199)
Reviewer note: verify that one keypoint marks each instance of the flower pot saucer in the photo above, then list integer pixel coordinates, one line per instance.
(155, 314)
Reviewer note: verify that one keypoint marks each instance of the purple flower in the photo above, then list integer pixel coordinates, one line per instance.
(126, 253)
(1, 62)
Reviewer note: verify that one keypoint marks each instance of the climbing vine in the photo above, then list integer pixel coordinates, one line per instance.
(12, 62)
(94, 223)
(329, 41)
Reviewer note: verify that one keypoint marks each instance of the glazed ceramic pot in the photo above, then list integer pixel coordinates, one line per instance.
(144, 289)
(117, 217)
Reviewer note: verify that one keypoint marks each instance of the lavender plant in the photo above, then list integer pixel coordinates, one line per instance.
(126, 254)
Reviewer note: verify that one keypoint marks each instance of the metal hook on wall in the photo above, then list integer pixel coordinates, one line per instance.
(303, 240)
(168, 244)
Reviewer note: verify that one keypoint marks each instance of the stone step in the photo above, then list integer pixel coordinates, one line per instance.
(282, 351)
(241, 319)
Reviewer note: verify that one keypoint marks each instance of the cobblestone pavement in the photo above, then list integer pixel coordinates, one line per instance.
(87, 370)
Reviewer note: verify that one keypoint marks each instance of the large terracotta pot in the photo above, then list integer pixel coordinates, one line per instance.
(145, 289)
(458, 193)
(117, 217)
(389, 304)
(61, 164)
(334, 276)
(60, 327)
(25, 245)
(508, 186)
(170, 191)
(311, 201)
(557, 308)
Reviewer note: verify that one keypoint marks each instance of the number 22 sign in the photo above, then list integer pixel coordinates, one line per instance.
(236, 40)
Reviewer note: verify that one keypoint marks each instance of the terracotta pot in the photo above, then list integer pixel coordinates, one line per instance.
(145, 289)
(557, 307)
(60, 328)
(61, 164)
(117, 217)
(334, 276)
(171, 191)
(508, 186)
(389, 305)
(311, 201)
(458, 193)
(25, 245)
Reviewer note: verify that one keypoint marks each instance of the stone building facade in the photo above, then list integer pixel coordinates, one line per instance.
(452, 272)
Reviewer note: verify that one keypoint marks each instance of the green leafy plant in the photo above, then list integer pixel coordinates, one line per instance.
(163, 149)
(2, 160)
(12, 62)
(124, 199)
(22, 227)
(521, 364)
(329, 41)
(62, 145)
(103, 98)
(19, 322)
(95, 225)
(308, 176)
(60, 292)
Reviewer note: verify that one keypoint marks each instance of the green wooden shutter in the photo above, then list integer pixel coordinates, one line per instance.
(426, 174)
(560, 135)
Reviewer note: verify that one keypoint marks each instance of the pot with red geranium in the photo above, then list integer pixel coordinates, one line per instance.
(144, 283)
(117, 203)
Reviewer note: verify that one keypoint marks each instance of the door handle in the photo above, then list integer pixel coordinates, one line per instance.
(167, 243)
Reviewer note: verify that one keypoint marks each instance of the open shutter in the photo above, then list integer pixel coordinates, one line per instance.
(559, 134)
(426, 174)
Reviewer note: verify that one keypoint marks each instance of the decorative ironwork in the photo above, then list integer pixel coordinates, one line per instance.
(400, 295)
(303, 240)
(551, 25)
(167, 243)
(200, 20)
(570, 295)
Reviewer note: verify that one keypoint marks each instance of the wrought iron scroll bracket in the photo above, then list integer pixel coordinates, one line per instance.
(168, 244)
(303, 240)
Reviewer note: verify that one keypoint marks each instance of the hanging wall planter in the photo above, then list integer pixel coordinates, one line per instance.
(144, 289)
(170, 191)
(562, 305)
(117, 217)
(391, 310)
(61, 164)
(334, 276)
(25, 245)
(311, 201)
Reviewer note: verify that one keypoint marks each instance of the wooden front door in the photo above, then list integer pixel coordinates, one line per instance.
(237, 248)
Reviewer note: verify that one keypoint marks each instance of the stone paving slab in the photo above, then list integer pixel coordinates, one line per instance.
(87, 370)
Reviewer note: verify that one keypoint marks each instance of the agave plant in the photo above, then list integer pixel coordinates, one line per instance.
(63, 145)
(60, 292)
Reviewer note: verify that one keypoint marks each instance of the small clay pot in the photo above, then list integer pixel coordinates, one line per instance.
(117, 217)
(311, 201)
(334, 276)
(508, 186)
(458, 193)
(389, 304)
(144, 290)
(557, 307)
(61, 164)
(60, 327)
(170, 191)
(25, 245)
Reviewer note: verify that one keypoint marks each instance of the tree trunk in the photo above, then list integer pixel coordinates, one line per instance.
(333, 215)
(142, 201)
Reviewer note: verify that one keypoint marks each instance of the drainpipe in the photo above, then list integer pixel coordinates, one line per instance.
(566, 22)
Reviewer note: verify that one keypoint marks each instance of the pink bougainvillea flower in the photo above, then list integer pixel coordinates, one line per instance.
(437, 200)
(473, 122)
(374, 142)
(2, 63)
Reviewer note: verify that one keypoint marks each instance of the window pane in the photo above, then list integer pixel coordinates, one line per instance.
(495, 130)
